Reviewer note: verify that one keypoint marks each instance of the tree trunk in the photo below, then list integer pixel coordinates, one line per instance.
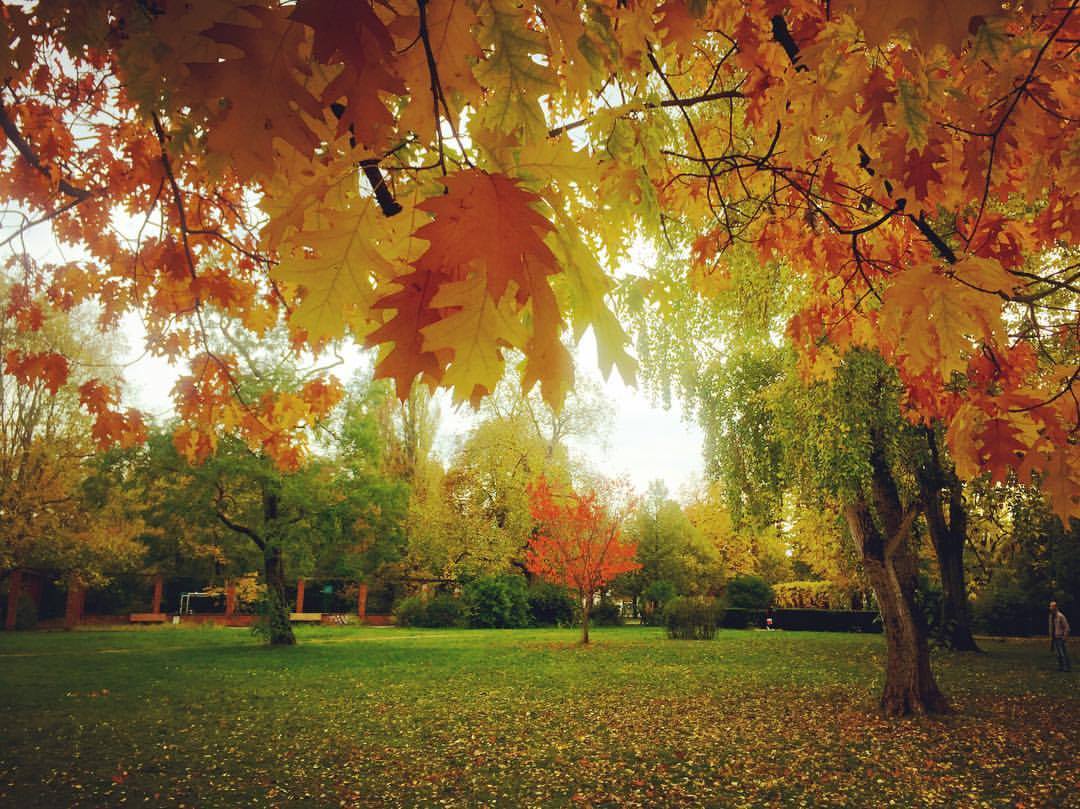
(586, 605)
(949, 535)
(280, 627)
(891, 567)
(910, 686)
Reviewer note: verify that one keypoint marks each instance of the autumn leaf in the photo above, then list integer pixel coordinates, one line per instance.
(953, 320)
(932, 21)
(352, 34)
(47, 367)
(476, 334)
(339, 267)
(512, 78)
(407, 359)
(256, 90)
(486, 221)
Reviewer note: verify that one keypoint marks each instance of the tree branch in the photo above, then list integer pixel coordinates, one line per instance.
(690, 101)
(15, 136)
(235, 526)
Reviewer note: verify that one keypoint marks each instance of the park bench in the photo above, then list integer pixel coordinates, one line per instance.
(148, 618)
(306, 617)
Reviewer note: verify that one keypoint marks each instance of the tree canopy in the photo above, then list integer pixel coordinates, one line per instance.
(448, 180)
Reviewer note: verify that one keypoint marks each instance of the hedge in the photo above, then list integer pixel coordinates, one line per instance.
(806, 620)
(814, 595)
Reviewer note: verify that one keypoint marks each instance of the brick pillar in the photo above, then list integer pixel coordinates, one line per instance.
(299, 595)
(230, 600)
(159, 583)
(76, 601)
(361, 603)
(14, 590)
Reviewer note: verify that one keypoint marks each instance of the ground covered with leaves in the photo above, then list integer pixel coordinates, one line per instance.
(396, 717)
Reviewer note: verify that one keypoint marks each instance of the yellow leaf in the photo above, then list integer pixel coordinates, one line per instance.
(477, 333)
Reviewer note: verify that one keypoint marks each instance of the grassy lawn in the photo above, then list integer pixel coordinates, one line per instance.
(394, 717)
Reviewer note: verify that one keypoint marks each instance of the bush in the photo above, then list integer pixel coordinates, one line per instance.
(1006, 609)
(692, 618)
(410, 611)
(606, 613)
(821, 595)
(497, 602)
(552, 605)
(442, 611)
(437, 613)
(749, 592)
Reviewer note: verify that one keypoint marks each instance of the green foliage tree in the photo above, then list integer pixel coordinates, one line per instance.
(749, 593)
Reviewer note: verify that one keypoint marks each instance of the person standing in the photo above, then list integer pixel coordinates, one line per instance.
(1059, 631)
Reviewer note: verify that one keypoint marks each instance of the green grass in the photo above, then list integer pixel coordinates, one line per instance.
(396, 717)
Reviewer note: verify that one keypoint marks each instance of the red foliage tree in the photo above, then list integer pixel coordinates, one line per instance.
(579, 540)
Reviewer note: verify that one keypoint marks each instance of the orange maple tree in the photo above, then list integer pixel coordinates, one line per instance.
(578, 540)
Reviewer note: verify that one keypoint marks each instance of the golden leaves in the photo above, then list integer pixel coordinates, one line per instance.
(338, 263)
(475, 334)
(513, 79)
(486, 241)
(934, 22)
(934, 319)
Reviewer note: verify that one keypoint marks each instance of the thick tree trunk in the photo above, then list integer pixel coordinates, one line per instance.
(949, 535)
(280, 628)
(891, 567)
(910, 686)
(281, 633)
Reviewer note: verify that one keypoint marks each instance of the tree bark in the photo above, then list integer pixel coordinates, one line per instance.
(910, 687)
(280, 628)
(949, 535)
(586, 605)
(281, 633)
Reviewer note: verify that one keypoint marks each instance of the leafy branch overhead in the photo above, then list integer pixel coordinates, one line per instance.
(457, 182)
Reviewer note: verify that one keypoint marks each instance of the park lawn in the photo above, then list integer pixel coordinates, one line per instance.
(207, 717)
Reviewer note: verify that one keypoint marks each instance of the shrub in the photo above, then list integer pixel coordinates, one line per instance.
(820, 595)
(1005, 608)
(692, 618)
(827, 620)
(552, 605)
(497, 602)
(442, 611)
(410, 611)
(606, 613)
(749, 592)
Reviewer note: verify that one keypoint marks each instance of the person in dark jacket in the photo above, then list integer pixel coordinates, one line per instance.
(1059, 631)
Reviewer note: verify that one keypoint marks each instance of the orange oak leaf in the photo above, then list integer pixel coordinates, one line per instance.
(407, 358)
(487, 223)
(256, 89)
